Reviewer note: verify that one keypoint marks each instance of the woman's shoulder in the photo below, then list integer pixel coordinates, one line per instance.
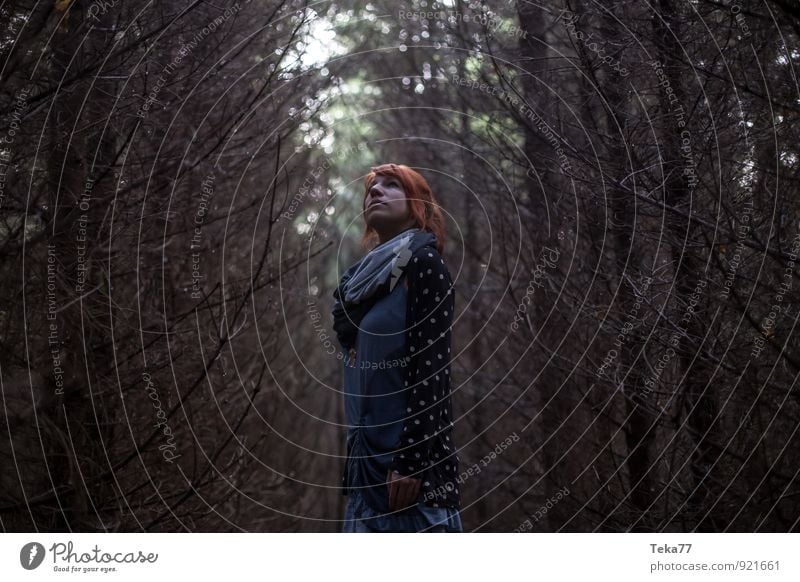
(427, 256)
(427, 264)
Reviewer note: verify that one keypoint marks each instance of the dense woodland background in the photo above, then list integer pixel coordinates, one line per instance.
(180, 188)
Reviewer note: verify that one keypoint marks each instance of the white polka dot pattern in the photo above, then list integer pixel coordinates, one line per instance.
(426, 450)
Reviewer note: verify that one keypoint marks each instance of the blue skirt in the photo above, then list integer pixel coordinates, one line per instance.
(361, 518)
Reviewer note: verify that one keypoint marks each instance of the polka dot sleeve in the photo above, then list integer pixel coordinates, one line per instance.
(430, 304)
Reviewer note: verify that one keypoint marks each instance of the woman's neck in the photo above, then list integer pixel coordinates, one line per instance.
(383, 237)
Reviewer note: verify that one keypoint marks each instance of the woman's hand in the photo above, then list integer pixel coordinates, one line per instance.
(403, 490)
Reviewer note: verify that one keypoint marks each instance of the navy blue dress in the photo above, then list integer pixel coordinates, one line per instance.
(397, 404)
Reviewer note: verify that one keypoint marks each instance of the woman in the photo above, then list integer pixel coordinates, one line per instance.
(393, 314)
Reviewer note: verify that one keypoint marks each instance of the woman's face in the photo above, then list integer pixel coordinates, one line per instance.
(386, 206)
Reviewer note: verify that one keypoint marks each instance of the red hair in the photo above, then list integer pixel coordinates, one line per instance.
(421, 202)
